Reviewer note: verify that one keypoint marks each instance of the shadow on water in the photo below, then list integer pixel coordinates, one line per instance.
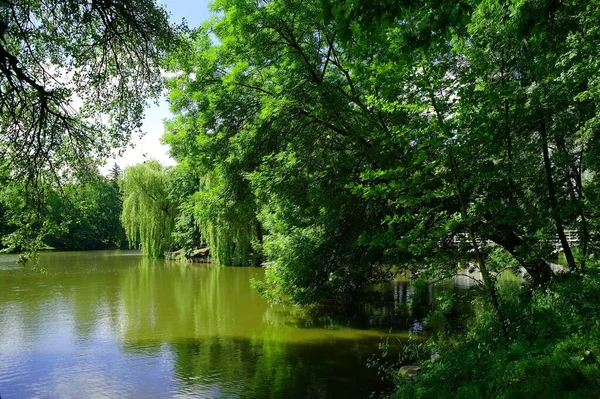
(264, 368)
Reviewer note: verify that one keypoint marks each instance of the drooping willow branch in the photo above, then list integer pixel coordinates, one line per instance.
(148, 214)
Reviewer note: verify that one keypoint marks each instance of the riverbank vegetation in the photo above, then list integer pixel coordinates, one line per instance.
(551, 350)
(339, 145)
(82, 214)
(352, 140)
(340, 142)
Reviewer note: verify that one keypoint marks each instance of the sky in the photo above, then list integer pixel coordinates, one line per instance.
(149, 147)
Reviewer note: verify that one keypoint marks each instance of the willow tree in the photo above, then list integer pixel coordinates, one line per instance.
(213, 136)
(220, 204)
(148, 214)
(226, 221)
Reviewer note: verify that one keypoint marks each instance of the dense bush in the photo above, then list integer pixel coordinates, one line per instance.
(552, 351)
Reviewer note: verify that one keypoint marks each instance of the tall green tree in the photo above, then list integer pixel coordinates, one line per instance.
(357, 135)
(275, 125)
(148, 214)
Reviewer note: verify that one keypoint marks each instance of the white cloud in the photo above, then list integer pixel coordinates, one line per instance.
(149, 146)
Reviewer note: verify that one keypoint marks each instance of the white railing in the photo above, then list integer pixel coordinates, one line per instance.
(464, 239)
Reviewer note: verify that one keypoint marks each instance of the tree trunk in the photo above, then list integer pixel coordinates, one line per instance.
(584, 234)
(488, 281)
(554, 202)
(576, 195)
(540, 271)
(575, 190)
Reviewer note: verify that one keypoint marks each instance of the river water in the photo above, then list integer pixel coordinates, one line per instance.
(113, 324)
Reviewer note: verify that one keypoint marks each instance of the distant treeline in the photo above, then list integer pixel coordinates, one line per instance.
(82, 214)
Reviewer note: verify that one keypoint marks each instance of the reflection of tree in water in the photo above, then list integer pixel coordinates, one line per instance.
(206, 323)
(263, 368)
(175, 301)
(403, 307)
(414, 300)
(227, 341)
(77, 286)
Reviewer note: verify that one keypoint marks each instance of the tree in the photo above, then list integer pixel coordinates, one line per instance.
(74, 79)
(89, 212)
(279, 144)
(357, 145)
(82, 214)
(484, 98)
(148, 214)
(115, 174)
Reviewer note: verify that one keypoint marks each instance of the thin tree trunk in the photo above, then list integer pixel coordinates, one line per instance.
(554, 202)
(584, 233)
(585, 238)
(488, 281)
(577, 198)
(575, 189)
(538, 268)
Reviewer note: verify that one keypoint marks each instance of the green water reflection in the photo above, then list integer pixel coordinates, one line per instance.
(112, 324)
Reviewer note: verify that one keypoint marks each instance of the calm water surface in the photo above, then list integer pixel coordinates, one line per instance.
(112, 324)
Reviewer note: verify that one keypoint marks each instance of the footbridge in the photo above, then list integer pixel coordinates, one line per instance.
(461, 239)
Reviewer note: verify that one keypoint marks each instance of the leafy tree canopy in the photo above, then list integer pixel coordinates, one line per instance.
(81, 214)
(148, 215)
(350, 144)
(74, 79)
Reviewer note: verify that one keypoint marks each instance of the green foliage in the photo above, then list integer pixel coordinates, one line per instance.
(552, 352)
(438, 318)
(148, 214)
(334, 139)
(89, 212)
(181, 184)
(499, 260)
(262, 125)
(74, 80)
(227, 225)
(75, 77)
(26, 227)
(81, 214)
